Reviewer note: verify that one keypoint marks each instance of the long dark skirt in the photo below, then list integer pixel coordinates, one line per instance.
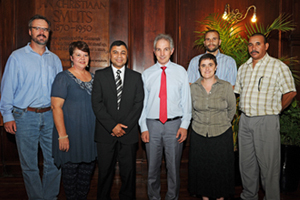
(211, 165)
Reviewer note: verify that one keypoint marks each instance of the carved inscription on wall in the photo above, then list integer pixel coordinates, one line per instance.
(73, 20)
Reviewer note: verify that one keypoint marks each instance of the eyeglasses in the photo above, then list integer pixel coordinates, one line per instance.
(40, 28)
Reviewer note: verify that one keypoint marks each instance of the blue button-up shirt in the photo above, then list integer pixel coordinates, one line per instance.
(226, 69)
(27, 80)
(178, 94)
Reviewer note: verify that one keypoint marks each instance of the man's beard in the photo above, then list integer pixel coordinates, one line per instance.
(213, 50)
(35, 39)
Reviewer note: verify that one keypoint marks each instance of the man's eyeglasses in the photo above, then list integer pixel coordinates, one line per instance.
(40, 28)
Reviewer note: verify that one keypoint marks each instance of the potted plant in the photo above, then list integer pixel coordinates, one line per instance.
(290, 147)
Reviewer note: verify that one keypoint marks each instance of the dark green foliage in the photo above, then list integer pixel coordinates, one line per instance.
(290, 125)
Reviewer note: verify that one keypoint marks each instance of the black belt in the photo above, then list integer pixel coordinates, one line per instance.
(170, 119)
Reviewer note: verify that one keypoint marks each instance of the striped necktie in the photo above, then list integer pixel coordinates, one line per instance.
(119, 88)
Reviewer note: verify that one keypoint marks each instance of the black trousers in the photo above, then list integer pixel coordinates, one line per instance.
(108, 155)
(76, 179)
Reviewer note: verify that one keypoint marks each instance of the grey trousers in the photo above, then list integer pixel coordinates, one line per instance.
(162, 137)
(259, 151)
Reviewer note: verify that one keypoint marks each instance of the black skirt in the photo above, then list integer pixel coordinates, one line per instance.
(211, 165)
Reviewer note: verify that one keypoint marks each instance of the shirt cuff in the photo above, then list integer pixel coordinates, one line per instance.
(8, 118)
(144, 127)
(185, 124)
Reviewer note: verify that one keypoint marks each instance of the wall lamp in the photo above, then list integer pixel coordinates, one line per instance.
(236, 15)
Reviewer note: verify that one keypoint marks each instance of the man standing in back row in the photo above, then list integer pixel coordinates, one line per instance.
(226, 69)
(25, 106)
(165, 118)
(266, 87)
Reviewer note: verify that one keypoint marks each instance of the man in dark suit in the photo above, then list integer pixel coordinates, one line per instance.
(117, 100)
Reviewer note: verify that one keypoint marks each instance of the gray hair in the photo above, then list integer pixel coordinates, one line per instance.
(165, 37)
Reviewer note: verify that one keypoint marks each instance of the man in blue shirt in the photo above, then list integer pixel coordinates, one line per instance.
(226, 69)
(165, 117)
(25, 106)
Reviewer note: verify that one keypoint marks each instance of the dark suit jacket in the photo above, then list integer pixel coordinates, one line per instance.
(104, 102)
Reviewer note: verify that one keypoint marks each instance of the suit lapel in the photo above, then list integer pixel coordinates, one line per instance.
(111, 80)
(126, 84)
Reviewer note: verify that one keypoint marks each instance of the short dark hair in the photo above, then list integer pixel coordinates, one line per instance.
(38, 17)
(260, 34)
(118, 43)
(79, 45)
(211, 31)
(208, 56)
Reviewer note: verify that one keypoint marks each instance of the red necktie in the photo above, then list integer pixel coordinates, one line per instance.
(163, 115)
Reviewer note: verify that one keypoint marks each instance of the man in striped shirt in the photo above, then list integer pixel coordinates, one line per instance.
(266, 87)
(226, 69)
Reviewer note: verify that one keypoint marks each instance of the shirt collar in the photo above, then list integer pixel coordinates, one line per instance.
(218, 53)
(115, 69)
(263, 60)
(167, 65)
(28, 49)
(200, 79)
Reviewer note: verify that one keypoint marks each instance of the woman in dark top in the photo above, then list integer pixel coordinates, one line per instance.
(211, 158)
(73, 145)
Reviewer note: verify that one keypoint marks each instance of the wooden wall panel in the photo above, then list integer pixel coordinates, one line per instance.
(24, 11)
(8, 31)
(172, 25)
(291, 40)
(154, 24)
(14, 23)
(191, 12)
(8, 44)
(118, 20)
(136, 32)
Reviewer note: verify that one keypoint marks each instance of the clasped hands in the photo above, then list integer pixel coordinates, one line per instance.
(118, 130)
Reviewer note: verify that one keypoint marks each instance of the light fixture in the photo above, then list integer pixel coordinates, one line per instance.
(225, 12)
(253, 19)
(236, 15)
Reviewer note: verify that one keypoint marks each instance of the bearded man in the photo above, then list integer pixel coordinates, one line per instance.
(25, 107)
(226, 69)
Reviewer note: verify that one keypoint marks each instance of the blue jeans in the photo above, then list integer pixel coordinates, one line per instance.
(34, 129)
